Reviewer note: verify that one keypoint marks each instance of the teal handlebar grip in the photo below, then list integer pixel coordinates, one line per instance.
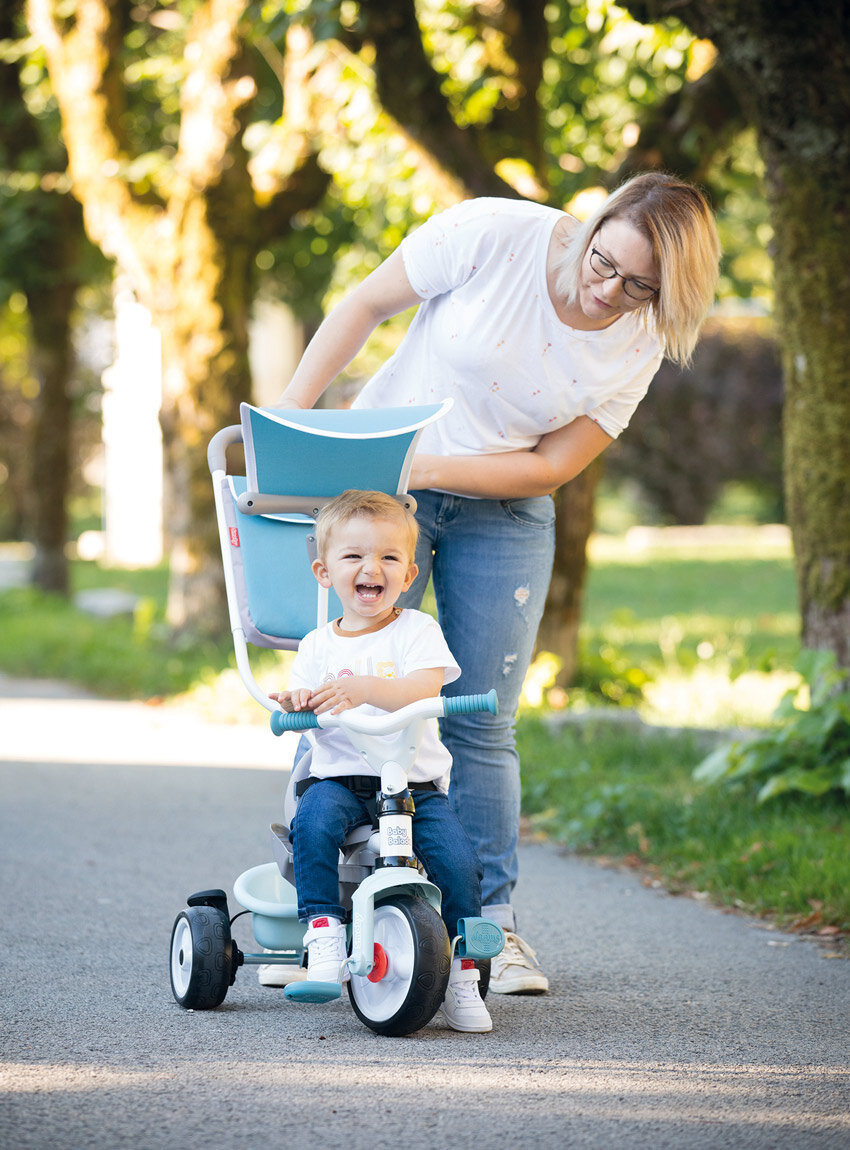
(464, 704)
(292, 721)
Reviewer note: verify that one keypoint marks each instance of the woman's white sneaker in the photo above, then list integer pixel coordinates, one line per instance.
(516, 970)
(280, 973)
(462, 1006)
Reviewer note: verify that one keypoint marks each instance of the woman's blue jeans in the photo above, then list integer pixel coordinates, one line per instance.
(491, 562)
(328, 810)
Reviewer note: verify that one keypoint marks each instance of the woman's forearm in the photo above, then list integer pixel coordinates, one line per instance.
(338, 339)
(384, 293)
(558, 457)
(504, 475)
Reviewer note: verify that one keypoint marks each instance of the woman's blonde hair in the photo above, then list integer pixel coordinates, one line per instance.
(674, 216)
(370, 504)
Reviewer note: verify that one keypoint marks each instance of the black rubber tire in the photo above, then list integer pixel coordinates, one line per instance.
(417, 946)
(483, 965)
(202, 958)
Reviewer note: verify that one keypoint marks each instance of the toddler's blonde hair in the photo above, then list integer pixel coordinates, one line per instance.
(369, 504)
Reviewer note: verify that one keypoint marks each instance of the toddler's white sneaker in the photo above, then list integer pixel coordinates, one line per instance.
(463, 1007)
(326, 944)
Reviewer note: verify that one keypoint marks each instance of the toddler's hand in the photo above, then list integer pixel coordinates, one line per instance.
(294, 700)
(340, 695)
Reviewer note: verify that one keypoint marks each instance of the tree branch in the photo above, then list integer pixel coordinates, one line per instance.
(410, 91)
(684, 132)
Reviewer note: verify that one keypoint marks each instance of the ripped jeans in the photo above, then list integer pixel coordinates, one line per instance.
(491, 562)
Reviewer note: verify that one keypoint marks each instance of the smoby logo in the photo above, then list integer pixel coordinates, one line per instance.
(486, 936)
(234, 536)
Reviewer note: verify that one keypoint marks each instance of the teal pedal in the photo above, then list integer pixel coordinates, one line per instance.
(479, 938)
(313, 991)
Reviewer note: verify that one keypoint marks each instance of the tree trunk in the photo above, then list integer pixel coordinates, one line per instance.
(792, 71)
(813, 319)
(574, 518)
(41, 259)
(50, 325)
(206, 374)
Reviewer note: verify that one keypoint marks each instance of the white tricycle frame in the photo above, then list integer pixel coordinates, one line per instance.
(295, 461)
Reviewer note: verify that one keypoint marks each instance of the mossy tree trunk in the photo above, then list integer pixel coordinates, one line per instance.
(791, 67)
(559, 627)
(189, 252)
(43, 249)
(813, 318)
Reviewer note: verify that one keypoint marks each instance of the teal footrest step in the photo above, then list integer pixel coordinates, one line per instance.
(479, 938)
(313, 991)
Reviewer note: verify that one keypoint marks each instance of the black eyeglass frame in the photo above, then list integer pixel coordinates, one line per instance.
(612, 273)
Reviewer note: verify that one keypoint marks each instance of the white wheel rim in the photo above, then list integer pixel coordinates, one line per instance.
(379, 1001)
(181, 956)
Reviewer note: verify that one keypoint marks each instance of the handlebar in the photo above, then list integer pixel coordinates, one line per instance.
(386, 724)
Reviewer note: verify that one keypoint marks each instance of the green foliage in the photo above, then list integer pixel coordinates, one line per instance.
(627, 793)
(607, 673)
(602, 70)
(809, 749)
(735, 388)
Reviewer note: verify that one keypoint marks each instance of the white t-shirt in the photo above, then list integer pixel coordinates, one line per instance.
(488, 336)
(412, 642)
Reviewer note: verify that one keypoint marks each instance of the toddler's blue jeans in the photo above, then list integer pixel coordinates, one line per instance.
(325, 814)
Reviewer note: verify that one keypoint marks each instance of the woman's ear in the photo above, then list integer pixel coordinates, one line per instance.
(321, 573)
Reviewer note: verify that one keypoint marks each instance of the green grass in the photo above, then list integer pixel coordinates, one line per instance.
(46, 636)
(693, 633)
(603, 790)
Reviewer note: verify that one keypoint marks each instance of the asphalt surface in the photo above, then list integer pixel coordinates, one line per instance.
(668, 1024)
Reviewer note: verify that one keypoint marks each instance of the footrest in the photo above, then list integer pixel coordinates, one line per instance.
(479, 938)
(313, 991)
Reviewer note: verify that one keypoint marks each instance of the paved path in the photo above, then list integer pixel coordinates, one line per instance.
(669, 1024)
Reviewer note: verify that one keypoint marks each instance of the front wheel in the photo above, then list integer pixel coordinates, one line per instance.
(408, 984)
(202, 957)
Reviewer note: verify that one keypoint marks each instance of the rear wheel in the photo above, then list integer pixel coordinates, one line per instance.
(202, 957)
(414, 959)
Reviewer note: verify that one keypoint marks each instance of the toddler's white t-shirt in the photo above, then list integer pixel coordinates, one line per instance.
(412, 642)
(488, 336)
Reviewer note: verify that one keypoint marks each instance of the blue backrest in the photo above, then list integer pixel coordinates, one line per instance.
(313, 454)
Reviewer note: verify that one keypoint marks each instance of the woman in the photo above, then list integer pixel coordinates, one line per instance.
(546, 334)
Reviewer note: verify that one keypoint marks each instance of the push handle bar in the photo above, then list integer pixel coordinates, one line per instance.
(386, 724)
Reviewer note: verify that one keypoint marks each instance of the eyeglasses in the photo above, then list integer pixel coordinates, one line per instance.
(634, 289)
